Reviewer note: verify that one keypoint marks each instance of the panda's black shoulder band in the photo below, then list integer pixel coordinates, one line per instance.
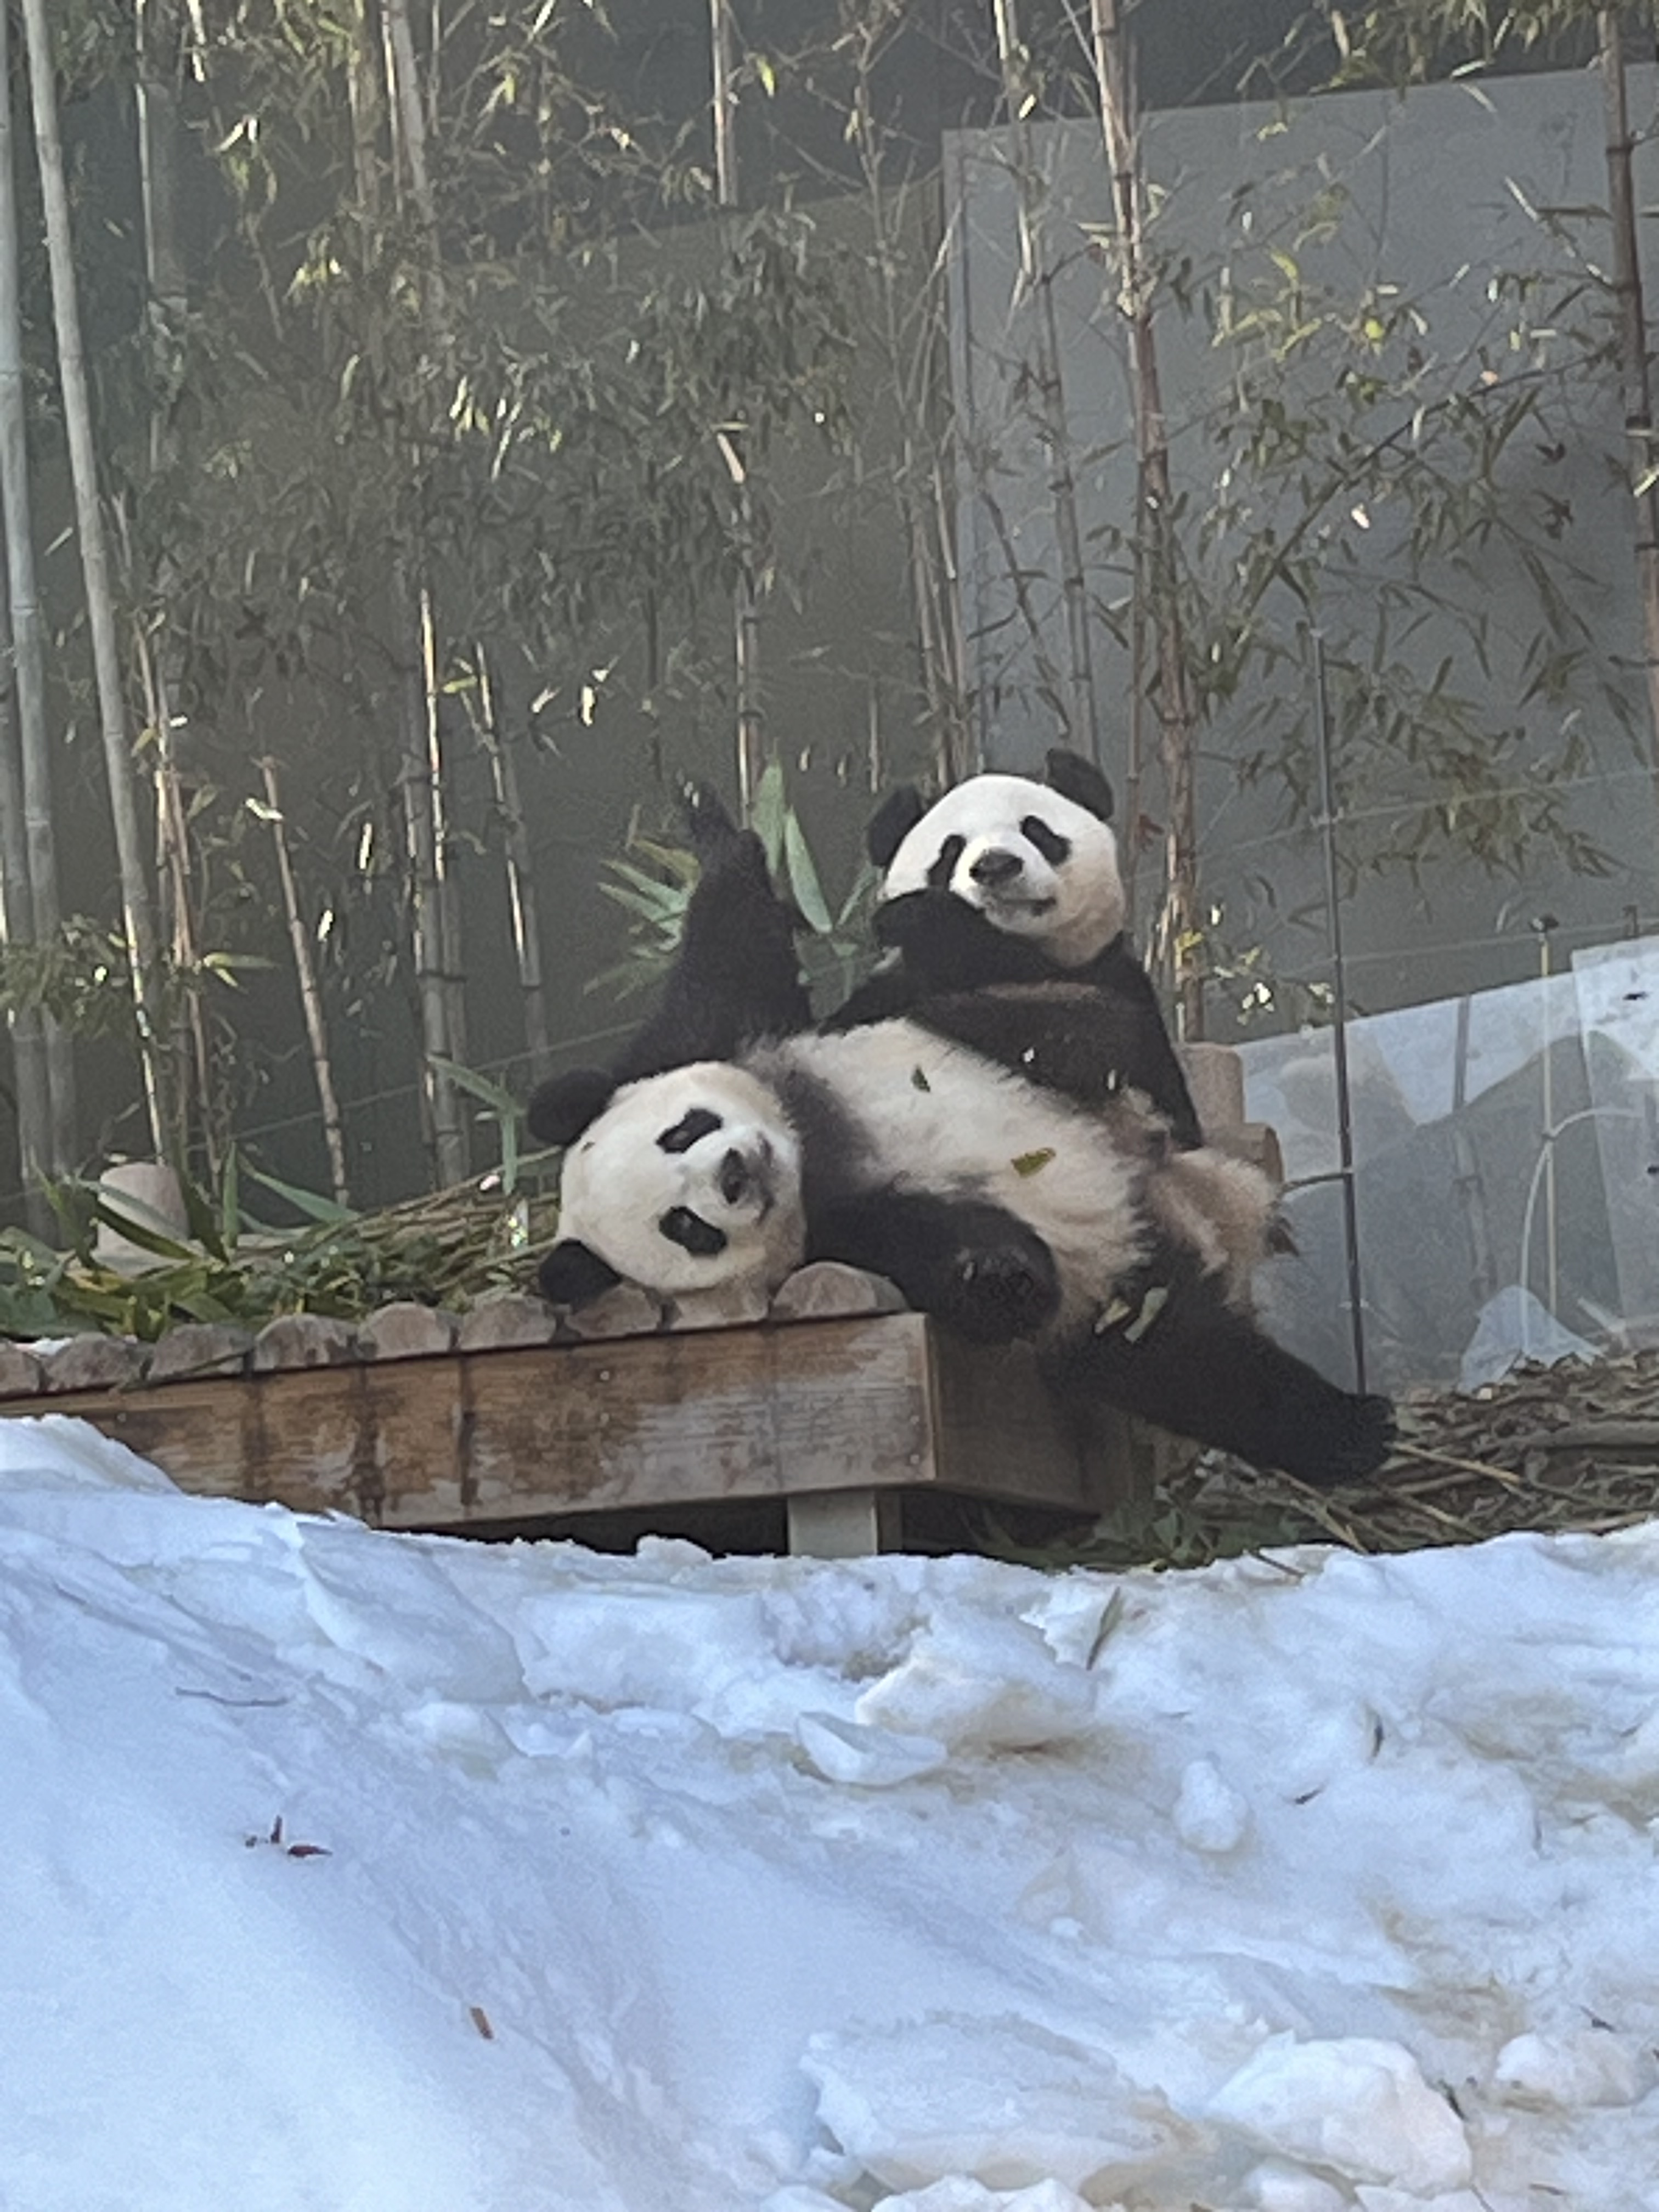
(564, 1106)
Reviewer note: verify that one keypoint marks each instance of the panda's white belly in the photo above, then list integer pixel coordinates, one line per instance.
(935, 1117)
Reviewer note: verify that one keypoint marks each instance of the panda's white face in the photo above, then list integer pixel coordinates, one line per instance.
(1033, 862)
(688, 1182)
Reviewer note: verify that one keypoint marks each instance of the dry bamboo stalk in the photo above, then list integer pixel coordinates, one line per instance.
(440, 1104)
(311, 997)
(520, 874)
(143, 950)
(42, 1050)
(1077, 701)
(1155, 510)
(930, 548)
(1642, 453)
(434, 922)
(745, 594)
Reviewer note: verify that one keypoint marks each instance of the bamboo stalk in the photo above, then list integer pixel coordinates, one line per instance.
(159, 657)
(929, 538)
(441, 1104)
(1076, 703)
(33, 1095)
(1155, 512)
(143, 951)
(520, 874)
(311, 997)
(1642, 452)
(745, 594)
(434, 920)
(37, 914)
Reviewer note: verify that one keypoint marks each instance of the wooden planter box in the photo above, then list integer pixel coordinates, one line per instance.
(838, 1418)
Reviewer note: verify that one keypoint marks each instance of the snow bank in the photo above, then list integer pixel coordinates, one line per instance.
(364, 1874)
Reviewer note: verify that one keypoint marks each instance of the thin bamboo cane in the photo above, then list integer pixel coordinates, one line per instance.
(1642, 453)
(143, 951)
(521, 873)
(1078, 703)
(38, 920)
(311, 997)
(1155, 510)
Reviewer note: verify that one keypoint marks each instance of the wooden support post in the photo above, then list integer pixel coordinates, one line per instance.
(843, 1524)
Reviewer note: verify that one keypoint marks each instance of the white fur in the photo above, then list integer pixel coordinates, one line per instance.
(617, 1182)
(930, 1115)
(937, 1117)
(1073, 911)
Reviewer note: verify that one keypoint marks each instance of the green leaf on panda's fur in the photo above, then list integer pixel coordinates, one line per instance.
(918, 1081)
(1031, 1163)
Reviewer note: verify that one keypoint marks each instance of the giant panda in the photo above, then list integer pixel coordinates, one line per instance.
(1007, 881)
(1000, 1206)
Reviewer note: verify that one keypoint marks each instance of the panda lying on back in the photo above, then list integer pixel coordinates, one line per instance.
(1009, 881)
(999, 1207)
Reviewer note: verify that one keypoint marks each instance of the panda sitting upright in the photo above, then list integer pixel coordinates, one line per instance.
(1006, 882)
(1001, 1209)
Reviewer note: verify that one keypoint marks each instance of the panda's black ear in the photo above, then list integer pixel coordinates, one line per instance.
(1079, 781)
(561, 1108)
(573, 1275)
(892, 822)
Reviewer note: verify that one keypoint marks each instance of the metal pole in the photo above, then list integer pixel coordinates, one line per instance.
(1340, 1000)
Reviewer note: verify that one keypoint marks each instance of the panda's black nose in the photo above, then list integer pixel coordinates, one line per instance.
(995, 867)
(733, 1177)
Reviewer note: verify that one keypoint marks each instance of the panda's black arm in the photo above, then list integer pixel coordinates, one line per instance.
(949, 945)
(736, 976)
(972, 1266)
(1179, 1355)
(1148, 1057)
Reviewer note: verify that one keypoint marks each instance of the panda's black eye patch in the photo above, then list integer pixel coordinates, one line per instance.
(698, 1123)
(940, 875)
(692, 1233)
(1053, 847)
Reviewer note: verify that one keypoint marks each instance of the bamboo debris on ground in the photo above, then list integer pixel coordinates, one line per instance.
(1572, 1447)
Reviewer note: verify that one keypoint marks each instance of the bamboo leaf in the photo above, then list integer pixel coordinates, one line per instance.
(803, 885)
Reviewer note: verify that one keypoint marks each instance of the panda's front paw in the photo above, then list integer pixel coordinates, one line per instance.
(1001, 1288)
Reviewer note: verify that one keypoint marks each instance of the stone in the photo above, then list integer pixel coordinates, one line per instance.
(626, 1311)
(95, 1363)
(827, 1288)
(512, 1318)
(407, 1330)
(304, 1341)
(732, 1306)
(196, 1348)
(20, 1372)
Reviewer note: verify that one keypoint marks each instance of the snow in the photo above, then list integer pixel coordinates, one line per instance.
(342, 1872)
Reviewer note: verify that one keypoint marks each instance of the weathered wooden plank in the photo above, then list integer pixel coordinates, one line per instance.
(859, 1405)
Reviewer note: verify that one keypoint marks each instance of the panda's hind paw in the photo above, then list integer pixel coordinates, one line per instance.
(1358, 1441)
(1001, 1289)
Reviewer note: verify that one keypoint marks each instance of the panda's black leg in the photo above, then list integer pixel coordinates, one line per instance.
(1184, 1360)
(973, 1267)
(736, 976)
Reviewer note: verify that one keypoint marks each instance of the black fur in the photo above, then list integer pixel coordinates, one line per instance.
(1179, 1355)
(736, 978)
(572, 1275)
